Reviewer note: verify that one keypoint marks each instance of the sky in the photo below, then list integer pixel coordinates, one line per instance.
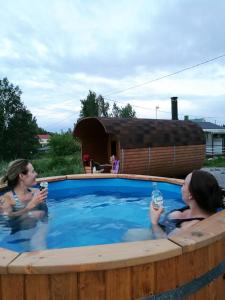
(58, 50)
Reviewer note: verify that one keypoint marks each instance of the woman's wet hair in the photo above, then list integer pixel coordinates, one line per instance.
(206, 191)
(15, 168)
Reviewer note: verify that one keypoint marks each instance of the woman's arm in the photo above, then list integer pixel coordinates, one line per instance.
(154, 216)
(38, 198)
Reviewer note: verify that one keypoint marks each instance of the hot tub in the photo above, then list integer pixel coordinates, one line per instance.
(188, 264)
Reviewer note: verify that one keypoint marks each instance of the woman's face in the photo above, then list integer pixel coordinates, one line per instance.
(185, 188)
(29, 179)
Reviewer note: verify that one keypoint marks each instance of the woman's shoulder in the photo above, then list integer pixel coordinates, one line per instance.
(8, 198)
(178, 213)
(189, 223)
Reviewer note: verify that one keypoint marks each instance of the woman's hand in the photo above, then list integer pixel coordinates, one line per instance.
(39, 197)
(155, 214)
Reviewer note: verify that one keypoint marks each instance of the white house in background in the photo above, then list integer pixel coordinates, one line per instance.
(215, 138)
(43, 140)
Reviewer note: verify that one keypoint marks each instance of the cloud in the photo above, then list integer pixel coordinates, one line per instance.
(57, 51)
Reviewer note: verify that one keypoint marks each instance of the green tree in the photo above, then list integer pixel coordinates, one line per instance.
(62, 144)
(89, 106)
(127, 112)
(103, 107)
(43, 131)
(115, 111)
(18, 128)
(123, 112)
(94, 106)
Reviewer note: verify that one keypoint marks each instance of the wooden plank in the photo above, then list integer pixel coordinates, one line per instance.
(143, 280)
(95, 175)
(118, 284)
(6, 257)
(135, 158)
(136, 170)
(201, 261)
(135, 150)
(218, 288)
(196, 263)
(185, 268)
(92, 285)
(216, 255)
(37, 287)
(101, 257)
(165, 280)
(135, 155)
(52, 178)
(152, 178)
(12, 287)
(183, 159)
(63, 286)
(136, 162)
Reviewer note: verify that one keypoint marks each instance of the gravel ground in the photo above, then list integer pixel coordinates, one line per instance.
(219, 173)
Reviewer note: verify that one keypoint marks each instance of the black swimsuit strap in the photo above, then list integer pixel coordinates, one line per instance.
(179, 209)
(180, 221)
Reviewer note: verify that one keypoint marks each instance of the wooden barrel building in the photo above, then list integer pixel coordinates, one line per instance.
(144, 146)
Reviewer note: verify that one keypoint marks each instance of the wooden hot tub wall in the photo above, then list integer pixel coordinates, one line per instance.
(190, 265)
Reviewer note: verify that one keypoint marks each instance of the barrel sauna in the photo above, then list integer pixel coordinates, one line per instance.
(144, 146)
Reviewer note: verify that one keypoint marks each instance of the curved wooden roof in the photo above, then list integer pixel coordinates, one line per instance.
(142, 133)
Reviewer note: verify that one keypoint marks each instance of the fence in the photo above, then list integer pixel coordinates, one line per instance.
(215, 150)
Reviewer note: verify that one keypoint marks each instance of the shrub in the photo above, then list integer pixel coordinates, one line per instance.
(63, 144)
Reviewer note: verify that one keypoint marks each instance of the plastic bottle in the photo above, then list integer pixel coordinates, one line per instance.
(43, 185)
(157, 197)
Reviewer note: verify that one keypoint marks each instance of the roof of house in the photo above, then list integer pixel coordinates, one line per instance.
(142, 133)
(208, 125)
(43, 136)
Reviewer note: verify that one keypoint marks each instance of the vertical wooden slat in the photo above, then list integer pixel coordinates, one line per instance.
(165, 278)
(64, 286)
(118, 284)
(185, 268)
(91, 285)
(143, 280)
(37, 287)
(201, 267)
(12, 287)
(216, 255)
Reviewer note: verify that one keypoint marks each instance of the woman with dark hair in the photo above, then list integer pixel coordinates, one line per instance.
(22, 206)
(203, 197)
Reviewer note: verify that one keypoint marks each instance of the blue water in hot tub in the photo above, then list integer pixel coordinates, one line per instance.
(90, 212)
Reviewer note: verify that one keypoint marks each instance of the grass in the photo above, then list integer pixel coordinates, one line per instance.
(217, 161)
(47, 165)
(58, 165)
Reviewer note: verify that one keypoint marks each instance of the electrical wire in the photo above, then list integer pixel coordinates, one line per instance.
(165, 76)
(145, 83)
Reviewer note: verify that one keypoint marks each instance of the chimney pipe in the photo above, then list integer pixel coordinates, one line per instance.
(174, 108)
